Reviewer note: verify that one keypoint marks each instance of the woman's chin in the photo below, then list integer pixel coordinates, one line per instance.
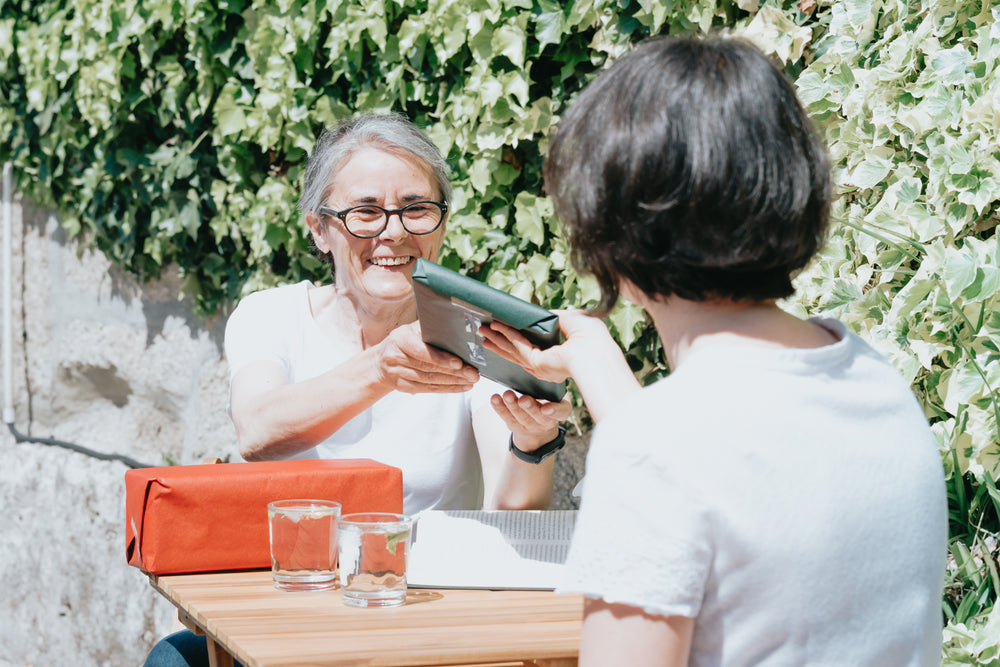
(394, 287)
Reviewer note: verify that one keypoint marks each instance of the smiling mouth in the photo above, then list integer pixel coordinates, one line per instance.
(390, 261)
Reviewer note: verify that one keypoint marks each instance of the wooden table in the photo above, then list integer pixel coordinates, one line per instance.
(246, 617)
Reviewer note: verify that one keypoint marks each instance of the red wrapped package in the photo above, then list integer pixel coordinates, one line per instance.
(204, 518)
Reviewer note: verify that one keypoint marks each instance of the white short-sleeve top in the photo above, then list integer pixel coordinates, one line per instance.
(791, 501)
(428, 436)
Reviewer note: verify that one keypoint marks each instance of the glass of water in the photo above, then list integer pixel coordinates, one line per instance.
(373, 552)
(303, 544)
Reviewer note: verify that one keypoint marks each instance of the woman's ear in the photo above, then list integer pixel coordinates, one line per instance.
(316, 229)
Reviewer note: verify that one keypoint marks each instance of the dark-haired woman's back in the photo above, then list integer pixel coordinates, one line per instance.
(790, 500)
(779, 498)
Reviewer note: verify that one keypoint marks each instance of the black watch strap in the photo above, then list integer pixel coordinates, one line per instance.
(543, 452)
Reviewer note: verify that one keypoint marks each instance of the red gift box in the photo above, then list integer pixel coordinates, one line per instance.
(204, 518)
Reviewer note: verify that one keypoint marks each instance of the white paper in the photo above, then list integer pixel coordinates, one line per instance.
(489, 549)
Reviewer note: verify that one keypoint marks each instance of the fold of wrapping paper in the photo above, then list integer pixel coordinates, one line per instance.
(204, 518)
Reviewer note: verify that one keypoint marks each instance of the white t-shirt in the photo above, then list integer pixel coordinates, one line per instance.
(428, 436)
(792, 501)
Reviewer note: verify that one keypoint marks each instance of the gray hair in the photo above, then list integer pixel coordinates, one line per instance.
(393, 133)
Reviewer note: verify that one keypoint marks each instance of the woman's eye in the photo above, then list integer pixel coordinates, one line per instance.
(367, 212)
(417, 210)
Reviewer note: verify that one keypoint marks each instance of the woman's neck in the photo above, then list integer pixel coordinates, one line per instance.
(366, 323)
(688, 326)
(377, 323)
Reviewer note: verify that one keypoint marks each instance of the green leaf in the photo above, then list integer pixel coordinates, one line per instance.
(627, 320)
(963, 384)
(960, 272)
(951, 64)
(550, 24)
(392, 540)
(530, 213)
(480, 173)
(874, 168)
(842, 293)
(509, 41)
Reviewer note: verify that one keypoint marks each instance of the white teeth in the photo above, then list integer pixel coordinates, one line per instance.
(389, 261)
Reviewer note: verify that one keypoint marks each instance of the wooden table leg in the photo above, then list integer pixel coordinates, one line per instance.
(218, 656)
(188, 622)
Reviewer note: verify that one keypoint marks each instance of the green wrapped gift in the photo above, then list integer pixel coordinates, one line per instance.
(451, 308)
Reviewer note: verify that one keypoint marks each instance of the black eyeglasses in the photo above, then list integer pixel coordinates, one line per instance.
(368, 220)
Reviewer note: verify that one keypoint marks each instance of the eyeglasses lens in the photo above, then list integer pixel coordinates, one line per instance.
(418, 218)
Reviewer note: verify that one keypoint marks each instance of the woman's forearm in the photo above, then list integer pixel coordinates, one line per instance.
(508, 482)
(522, 486)
(603, 377)
(275, 419)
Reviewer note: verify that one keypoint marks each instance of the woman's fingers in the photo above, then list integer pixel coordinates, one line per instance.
(500, 338)
(406, 363)
(532, 422)
(511, 345)
(560, 411)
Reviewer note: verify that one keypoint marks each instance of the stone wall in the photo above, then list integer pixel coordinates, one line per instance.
(119, 368)
(104, 362)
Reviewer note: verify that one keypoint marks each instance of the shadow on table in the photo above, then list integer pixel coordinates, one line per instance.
(416, 597)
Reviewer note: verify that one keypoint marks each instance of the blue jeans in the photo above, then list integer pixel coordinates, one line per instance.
(181, 649)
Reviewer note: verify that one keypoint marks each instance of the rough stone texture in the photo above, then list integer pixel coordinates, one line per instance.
(119, 367)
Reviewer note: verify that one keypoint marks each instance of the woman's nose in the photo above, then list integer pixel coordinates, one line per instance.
(394, 229)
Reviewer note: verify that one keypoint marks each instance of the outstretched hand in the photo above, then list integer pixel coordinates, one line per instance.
(589, 355)
(406, 363)
(532, 422)
(554, 364)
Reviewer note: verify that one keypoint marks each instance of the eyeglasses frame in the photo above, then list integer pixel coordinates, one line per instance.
(389, 212)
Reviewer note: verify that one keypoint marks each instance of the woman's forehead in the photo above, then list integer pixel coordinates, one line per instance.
(371, 172)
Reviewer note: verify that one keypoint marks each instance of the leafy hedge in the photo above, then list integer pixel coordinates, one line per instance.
(176, 131)
(908, 94)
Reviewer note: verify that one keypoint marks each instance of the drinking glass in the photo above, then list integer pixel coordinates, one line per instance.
(303, 543)
(373, 551)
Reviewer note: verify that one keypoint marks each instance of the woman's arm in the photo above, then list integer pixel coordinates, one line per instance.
(618, 634)
(275, 418)
(598, 366)
(509, 482)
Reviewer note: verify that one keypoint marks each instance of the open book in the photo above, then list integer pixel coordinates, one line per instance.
(493, 549)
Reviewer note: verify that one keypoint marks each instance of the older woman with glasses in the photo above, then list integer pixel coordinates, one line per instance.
(339, 370)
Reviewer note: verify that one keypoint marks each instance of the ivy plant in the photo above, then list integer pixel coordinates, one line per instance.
(175, 133)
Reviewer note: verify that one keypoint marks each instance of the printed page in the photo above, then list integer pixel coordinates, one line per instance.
(490, 549)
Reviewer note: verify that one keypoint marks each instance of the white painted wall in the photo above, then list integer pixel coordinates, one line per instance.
(103, 362)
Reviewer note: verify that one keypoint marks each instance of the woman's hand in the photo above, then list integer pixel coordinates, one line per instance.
(531, 422)
(589, 355)
(404, 362)
(585, 336)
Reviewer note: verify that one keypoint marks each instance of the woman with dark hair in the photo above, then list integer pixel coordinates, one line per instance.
(778, 498)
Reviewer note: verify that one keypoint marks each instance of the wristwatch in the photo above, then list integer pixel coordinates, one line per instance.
(543, 452)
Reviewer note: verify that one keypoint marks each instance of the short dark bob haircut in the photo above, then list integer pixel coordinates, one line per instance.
(689, 168)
